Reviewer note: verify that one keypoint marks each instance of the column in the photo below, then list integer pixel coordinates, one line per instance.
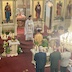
(31, 7)
(64, 9)
(18, 3)
(24, 6)
(44, 12)
(14, 17)
(27, 8)
(0, 17)
(53, 9)
(0, 11)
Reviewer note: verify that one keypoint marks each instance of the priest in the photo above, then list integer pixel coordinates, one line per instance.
(29, 29)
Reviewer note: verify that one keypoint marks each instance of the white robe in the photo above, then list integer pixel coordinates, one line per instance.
(29, 29)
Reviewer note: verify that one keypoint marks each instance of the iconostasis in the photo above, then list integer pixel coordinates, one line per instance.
(63, 9)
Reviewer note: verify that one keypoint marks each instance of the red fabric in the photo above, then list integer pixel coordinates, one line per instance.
(20, 30)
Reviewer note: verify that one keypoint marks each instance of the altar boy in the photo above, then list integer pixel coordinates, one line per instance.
(29, 29)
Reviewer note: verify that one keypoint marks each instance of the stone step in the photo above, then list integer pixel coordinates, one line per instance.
(26, 43)
(26, 47)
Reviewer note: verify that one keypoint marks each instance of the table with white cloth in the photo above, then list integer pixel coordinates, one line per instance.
(34, 51)
(70, 65)
(70, 68)
(14, 47)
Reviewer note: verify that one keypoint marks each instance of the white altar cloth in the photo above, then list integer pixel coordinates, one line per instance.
(70, 65)
(34, 51)
(70, 68)
(13, 47)
(13, 42)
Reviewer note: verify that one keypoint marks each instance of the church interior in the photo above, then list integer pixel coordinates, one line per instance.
(53, 19)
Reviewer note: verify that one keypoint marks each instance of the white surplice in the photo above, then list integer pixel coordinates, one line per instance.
(29, 29)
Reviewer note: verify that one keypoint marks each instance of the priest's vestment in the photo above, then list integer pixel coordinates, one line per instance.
(29, 29)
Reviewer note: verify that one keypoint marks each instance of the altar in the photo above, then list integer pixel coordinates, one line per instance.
(48, 52)
(14, 47)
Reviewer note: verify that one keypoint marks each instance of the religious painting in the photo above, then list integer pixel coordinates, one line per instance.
(68, 13)
(59, 4)
(7, 11)
(38, 9)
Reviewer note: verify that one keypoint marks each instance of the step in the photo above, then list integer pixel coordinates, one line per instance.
(26, 47)
(25, 44)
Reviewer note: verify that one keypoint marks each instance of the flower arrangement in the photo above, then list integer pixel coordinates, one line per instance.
(6, 47)
(45, 42)
(3, 32)
(19, 50)
(36, 43)
(13, 39)
(12, 31)
(8, 31)
(5, 44)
